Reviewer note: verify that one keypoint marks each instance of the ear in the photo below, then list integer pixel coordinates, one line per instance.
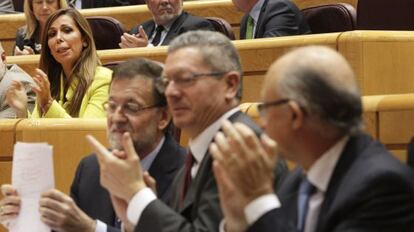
(298, 116)
(84, 43)
(165, 118)
(232, 79)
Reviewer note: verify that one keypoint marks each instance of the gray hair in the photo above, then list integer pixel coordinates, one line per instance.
(321, 93)
(217, 51)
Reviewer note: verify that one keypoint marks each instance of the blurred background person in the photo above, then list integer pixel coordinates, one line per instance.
(71, 82)
(6, 7)
(168, 21)
(29, 37)
(8, 73)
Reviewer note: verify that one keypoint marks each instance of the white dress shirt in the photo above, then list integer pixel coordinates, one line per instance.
(319, 175)
(164, 33)
(145, 164)
(198, 147)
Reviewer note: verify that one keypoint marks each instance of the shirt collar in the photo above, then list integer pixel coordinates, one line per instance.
(199, 145)
(149, 159)
(321, 171)
(255, 11)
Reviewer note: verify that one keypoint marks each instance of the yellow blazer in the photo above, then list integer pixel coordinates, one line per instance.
(92, 102)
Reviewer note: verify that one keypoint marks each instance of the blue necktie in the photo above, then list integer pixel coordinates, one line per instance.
(306, 190)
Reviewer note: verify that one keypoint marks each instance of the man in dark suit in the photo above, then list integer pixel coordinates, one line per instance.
(270, 18)
(134, 106)
(202, 84)
(345, 181)
(168, 21)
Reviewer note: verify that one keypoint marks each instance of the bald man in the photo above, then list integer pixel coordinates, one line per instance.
(345, 181)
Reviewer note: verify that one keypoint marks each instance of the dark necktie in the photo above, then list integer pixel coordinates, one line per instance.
(189, 161)
(157, 37)
(306, 190)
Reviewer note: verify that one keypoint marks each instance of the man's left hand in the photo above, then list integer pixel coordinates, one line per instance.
(60, 212)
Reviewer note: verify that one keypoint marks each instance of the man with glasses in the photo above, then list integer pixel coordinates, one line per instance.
(345, 181)
(136, 107)
(202, 84)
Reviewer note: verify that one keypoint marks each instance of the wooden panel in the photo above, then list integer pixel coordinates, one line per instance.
(400, 155)
(396, 128)
(380, 59)
(67, 136)
(7, 138)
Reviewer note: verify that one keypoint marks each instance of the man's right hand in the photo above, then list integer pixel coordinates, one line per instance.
(134, 41)
(9, 205)
(16, 98)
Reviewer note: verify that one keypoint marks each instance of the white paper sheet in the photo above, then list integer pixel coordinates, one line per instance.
(32, 174)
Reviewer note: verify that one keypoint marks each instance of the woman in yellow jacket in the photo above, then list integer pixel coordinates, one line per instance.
(72, 83)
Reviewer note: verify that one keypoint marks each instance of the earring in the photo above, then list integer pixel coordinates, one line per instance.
(85, 44)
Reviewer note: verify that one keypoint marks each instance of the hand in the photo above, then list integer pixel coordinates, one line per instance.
(60, 212)
(26, 51)
(134, 41)
(16, 98)
(9, 205)
(116, 172)
(243, 167)
(42, 90)
(120, 207)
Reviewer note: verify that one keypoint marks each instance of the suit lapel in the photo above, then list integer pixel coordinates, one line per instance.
(243, 27)
(164, 165)
(175, 28)
(333, 196)
(148, 27)
(259, 29)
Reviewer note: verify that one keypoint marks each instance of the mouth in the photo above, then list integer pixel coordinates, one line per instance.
(62, 50)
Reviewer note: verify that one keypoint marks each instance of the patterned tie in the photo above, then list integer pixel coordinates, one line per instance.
(249, 28)
(306, 190)
(189, 161)
(157, 37)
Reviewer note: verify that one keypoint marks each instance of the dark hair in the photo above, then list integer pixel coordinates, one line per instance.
(141, 68)
(84, 68)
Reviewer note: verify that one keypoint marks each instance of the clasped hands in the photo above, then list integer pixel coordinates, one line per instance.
(243, 166)
(16, 96)
(133, 41)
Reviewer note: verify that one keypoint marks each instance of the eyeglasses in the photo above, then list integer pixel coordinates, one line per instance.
(128, 108)
(262, 107)
(162, 82)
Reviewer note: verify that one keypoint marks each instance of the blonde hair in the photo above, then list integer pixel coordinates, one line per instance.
(31, 22)
(84, 68)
